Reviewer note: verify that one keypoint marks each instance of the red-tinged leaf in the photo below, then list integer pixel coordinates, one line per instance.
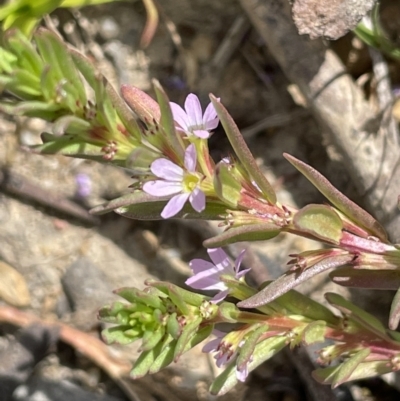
(394, 316)
(242, 151)
(320, 221)
(292, 279)
(364, 278)
(250, 232)
(146, 108)
(151, 23)
(342, 202)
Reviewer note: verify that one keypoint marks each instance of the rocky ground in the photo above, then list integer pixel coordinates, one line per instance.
(60, 265)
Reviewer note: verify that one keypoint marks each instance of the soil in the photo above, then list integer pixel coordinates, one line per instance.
(66, 268)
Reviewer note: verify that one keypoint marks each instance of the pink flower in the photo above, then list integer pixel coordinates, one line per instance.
(207, 275)
(183, 184)
(192, 121)
(226, 350)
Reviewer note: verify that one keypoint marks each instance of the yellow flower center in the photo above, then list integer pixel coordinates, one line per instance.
(190, 182)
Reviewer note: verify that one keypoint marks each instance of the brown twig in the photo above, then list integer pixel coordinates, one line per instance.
(88, 345)
(16, 185)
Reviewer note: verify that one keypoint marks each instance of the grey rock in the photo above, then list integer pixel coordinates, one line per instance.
(47, 390)
(21, 355)
(87, 289)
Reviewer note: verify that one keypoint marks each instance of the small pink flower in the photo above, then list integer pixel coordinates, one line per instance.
(207, 275)
(192, 121)
(225, 351)
(183, 184)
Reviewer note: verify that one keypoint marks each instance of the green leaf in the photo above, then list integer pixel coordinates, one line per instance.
(394, 316)
(247, 349)
(320, 221)
(141, 206)
(263, 351)
(28, 58)
(226, 186)
(152, 338)
(347, 368)
(292, 279)
(116, 335)
(359, 315)
(188, 333)
(69, 145)
(365, 278)
(144, 362)
(167, 122)
(299, 304)
(344, 204)
(134, 295)
(54, 52)
(242, 151)
(314, 332)
(362, 371)
(250, 232)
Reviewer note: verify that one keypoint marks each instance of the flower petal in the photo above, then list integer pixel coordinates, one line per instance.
(200, 265)
(162, 188)
(211, 124)
(174, 205)
(241, 374)
(164, 168)
(239, 260)
(210, 113)
(193, 110)
(206, 276)
(179, 115)
(190, 158)
(219, 297)
(221, 259)
(198, 200)
(212, 345)
(201, 133)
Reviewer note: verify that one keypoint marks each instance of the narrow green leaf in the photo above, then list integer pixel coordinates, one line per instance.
(342, 202)
(320, 221)
(226, 186)
(394, 316)
(365, 278)
(314, 332)
(362, 371)
(292, 279)
(27, 54)
(144, 363)
(299, 304)
(151, 339)
(347, 368)
(263, 351)
(188, 333)
(116, 335)
(359, 315)
(248, 348)
(147, 207)
(242, 151)
(250, 232)
(55, 53)
(167, 121)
